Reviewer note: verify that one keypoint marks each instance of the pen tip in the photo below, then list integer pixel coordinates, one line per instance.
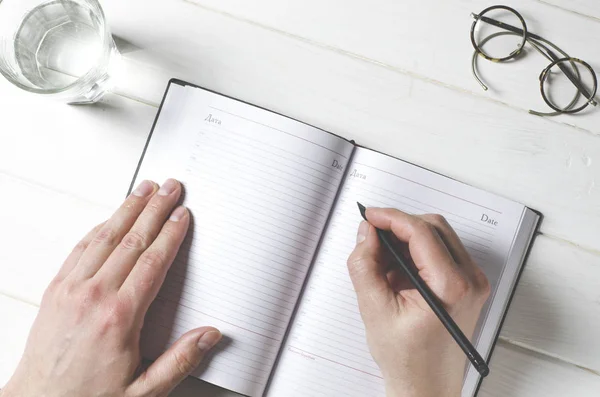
(362, 210)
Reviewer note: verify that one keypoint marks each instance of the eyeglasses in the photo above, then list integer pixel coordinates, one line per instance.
(499, 34)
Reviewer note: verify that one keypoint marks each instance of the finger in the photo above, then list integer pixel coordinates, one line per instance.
(110, 235)
(174, 365)
(424, 244)
(427, 250)
(450, 238)
(368, 274)
(141, 235)
(458, 251)
(74, 256)
(148, 274)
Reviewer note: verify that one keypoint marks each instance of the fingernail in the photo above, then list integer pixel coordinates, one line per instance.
(209, 340)
(178, 214)
(144, 189)
(363, 230)
(168, 187)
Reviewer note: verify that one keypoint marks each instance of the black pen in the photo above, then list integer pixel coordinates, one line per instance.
(433, 302)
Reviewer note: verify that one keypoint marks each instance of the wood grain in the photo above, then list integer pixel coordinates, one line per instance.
(489, 145)
(516, 372)
(586, 8)
(556, 308)
(429, 40)
(42, 226)
(88, 151)
(17, 318)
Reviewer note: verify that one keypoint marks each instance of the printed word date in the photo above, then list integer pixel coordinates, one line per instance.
(485, 218)
(356, 174)
(337, 165)
(212, 120)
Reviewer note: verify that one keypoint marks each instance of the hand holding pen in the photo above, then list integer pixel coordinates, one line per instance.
(414, 350)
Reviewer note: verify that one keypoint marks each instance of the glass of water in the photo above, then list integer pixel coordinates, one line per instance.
(60, 48)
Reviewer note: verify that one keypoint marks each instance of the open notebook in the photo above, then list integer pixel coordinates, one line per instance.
(275, 218)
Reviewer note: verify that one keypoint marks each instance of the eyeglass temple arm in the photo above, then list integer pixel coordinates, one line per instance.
(505, 26)
(514, 29)
(576, 81)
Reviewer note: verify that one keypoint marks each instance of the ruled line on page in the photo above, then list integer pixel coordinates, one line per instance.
(299, 381)
(317, 209)
(437, 208)
(224, 281)
(284, 264)
(280, 226)
(247, 162)
(189, 318)
(298, 257)
(374, 197)
(432, 188)
(277, 129)
(289, 156)
(261, 159)
(338, 363)
(328, 321)
(300, 203)
(268, 315)
(253, 142)
(449, 215)
(244, 328)
(267, 205)
(258, 213)
(236, 372)
(475, 251)
(265, 278)
(266, 297)
(251, 263)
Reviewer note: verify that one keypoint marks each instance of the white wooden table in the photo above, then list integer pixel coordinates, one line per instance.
(393, 75)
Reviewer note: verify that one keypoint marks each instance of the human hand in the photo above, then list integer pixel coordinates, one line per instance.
(85, 340)
(417, 356)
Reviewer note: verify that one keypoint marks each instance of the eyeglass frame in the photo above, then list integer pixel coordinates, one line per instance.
(536, 42)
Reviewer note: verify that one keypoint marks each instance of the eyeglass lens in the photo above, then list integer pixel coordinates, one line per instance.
(559, 89)
(505, 45)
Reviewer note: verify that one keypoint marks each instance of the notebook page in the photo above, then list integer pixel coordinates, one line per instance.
(326, 351)
(260, 188)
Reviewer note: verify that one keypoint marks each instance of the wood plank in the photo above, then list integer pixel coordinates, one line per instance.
(429, 40)
(41, 227)
(17, 318)
(516, 372)
(499, 149)
(20, 316)
(588, 8)
(556, 308)
(88, 151)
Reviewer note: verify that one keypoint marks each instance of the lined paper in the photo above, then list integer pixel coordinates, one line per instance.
(260, 188)
(326, 351)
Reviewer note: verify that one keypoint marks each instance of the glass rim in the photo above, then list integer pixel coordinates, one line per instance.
(589, 100)
(478, 18)
(106, 37)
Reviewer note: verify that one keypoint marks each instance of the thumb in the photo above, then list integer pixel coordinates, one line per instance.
(368, 273)
(174, 365)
